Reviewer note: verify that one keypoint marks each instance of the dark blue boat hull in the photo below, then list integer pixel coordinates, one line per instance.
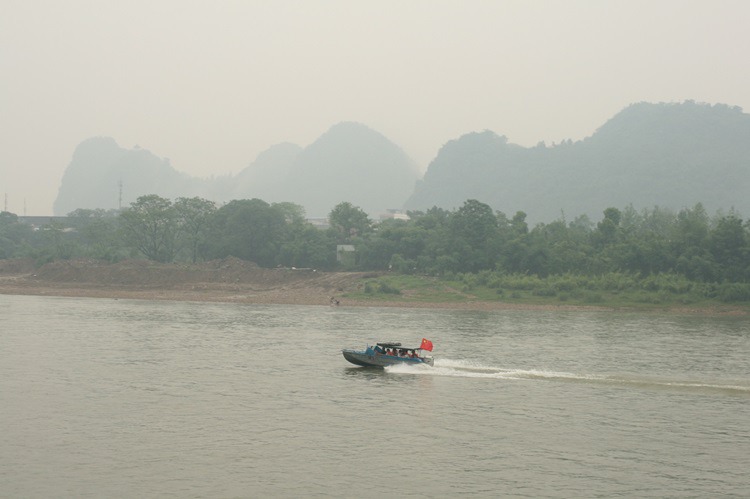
(371, 358)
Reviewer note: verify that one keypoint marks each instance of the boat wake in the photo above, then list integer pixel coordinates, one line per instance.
(468, 369)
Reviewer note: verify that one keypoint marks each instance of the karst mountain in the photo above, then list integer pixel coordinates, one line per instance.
(671, 155)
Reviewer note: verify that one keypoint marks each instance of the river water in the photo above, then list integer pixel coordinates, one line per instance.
(128, 398)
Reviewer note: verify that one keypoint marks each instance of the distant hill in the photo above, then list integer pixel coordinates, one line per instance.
(350, 163)
(99, 165)
(266, 177)
(670, 155)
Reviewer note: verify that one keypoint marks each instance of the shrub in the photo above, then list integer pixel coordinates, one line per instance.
(734, 292)
(594, 298)
(544, 291)
(564, 283)
(372, 287)
(388, 289)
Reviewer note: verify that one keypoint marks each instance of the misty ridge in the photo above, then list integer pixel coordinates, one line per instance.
(671, 155)
(349, 162)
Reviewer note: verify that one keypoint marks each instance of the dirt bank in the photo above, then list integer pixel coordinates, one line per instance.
(229, 280)
(232, 280)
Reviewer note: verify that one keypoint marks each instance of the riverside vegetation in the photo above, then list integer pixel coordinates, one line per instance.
(652, 257)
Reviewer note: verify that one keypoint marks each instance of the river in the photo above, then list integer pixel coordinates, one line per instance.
(129, 398)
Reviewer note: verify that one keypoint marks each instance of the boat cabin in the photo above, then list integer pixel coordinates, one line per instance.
(396, 350)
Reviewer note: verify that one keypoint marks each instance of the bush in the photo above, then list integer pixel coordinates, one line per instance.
(671, 283)
(545, 291)
(388, 289)
(372, 287)
(615, 281)
(565, 283)
(402, 265)
(450, 276)
(495, 283)
(484, 277)
(734, 292)
(522, 282)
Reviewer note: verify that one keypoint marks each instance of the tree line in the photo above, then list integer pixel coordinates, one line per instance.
(469, 239)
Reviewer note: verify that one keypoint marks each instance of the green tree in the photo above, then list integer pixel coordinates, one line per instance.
(376, 252)
(406, 240)
(432, 229)
(728, 245)
(474, 236)
(57, 242)
(293, 213)
(513, 249)
(150, 225)
(558, 249)
(691, 230)
(690, 239)
(305, 246)
(608, 229)
(640, 243)
(518, 223)
(433, 219)
(15, 236)
(349, 221)
(193, 217)
(98, 233)
(249, 229)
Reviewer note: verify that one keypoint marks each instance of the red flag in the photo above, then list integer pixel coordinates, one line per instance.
(426, 344)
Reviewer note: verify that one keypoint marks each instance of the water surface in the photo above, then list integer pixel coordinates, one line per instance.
(137, 399)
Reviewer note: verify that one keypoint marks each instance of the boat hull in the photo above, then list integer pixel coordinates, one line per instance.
(370, 358)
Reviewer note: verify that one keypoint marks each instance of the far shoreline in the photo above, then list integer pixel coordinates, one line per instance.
(232, 280)
(313, 298)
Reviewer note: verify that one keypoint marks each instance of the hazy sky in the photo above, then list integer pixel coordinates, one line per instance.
(210, 84)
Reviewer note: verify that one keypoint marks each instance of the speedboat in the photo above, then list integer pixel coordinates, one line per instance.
(388, 354)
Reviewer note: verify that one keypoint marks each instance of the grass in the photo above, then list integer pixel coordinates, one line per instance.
(610, 290)
(407, 288)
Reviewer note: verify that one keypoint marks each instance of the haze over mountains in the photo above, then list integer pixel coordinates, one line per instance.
(350, 162)
(670, 155)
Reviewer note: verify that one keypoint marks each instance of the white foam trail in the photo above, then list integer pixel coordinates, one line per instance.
(470, 369)
(681, 385)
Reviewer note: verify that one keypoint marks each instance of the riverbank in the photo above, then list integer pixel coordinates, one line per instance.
(236, 281)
